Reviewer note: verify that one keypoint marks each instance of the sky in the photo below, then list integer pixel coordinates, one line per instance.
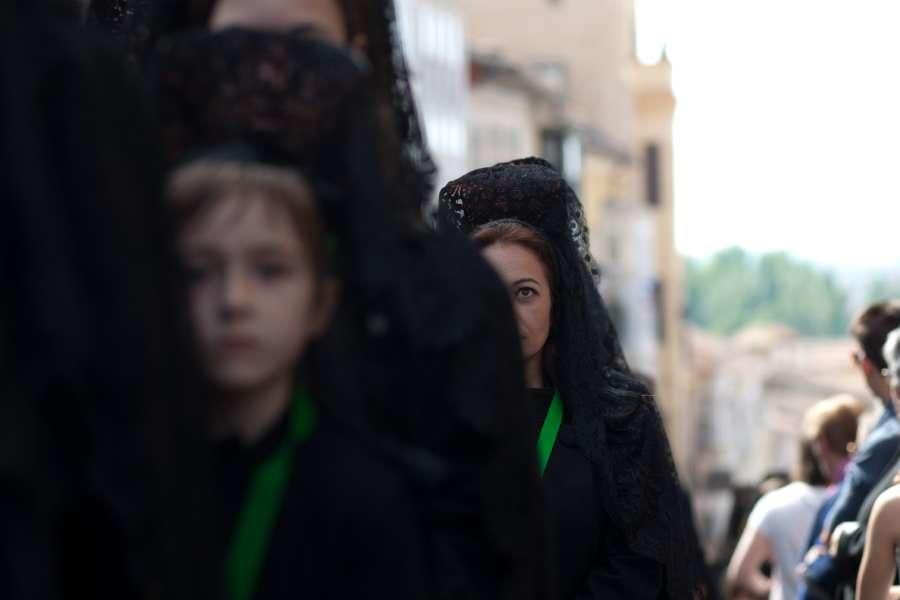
(787, 127)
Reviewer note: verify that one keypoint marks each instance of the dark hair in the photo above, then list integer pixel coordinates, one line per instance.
(511, 231)
(198, 186)
(808, 468)
(872, 326)
(406, 162)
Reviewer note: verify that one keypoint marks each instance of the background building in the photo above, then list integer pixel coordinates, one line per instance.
(750, 392)
(434, 40)
(508, 112)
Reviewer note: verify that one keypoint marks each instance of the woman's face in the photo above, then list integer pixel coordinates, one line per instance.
(254, 300)
(323, 16)
(525, 277)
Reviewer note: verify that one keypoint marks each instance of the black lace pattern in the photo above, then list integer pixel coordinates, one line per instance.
(617, 423)
(262, 87)
(138, 25)
(409, 128)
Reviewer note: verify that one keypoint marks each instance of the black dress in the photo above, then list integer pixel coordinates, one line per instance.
(592, 557)
(347, 527)
(101, 461)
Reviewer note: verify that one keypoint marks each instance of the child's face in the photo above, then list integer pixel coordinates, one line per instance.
(253, 297)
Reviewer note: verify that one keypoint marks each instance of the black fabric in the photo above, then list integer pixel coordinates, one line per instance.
(348, 526)
(424, 353)
(852, 546)
(615, 421)
(844, 567)
(593, 559)
(127, 22)
(137, 26)
(392, 89)
(101, 470)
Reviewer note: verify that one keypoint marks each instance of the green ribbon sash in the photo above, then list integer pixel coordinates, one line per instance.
(549, 432)
(265, 496)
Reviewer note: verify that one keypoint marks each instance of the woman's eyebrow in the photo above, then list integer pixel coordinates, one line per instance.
(526, 280)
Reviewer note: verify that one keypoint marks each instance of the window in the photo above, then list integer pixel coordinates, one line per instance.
(659, 300)
(651, 174)
(552, 150)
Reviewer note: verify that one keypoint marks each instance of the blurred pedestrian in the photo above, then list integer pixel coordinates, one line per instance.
(778, 527)
(878, 570)
(420, 314)
(822, 573)
(615, 505)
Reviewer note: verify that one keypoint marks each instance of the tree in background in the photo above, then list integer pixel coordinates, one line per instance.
(734, 289)
(881, 289)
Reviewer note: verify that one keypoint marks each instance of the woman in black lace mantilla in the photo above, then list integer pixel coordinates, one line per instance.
(621, 526)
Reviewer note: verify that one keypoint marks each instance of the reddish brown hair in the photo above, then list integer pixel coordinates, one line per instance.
(834, 420)
(515, 232)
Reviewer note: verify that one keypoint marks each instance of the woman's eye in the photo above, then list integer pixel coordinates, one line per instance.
(525, 292)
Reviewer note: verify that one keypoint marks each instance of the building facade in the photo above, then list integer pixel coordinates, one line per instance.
(434, 40)
(509, 110)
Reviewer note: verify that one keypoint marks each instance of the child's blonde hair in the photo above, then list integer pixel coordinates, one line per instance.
(199, 186)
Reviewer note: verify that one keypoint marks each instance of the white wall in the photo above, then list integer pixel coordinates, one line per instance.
(434, 40)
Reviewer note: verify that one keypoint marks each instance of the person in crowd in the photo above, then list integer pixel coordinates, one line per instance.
(821, 572)
(420, 316)
(303, 494)
(779, 524)
(870, 368)
(614, 500)
(421, 311)
(104, 486)
(261, 292)
(878, 570)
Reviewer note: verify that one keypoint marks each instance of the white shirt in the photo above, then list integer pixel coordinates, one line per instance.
(785, 516)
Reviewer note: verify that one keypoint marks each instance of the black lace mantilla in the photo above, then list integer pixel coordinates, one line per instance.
(472, 201)
(262, 87)
(397, 78)
(138, 25)
(617, 423)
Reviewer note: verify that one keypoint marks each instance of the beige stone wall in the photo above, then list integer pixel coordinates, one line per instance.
(591, 37)
(654, 109)
(502, 125)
